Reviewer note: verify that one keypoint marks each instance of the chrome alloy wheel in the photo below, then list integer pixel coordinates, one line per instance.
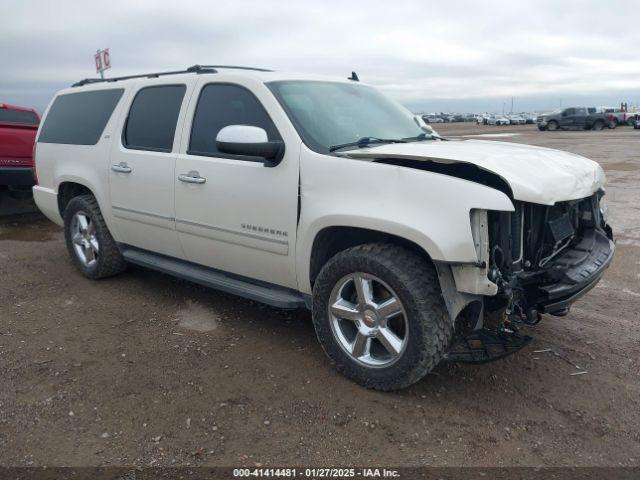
(85, 241)
(368, 320)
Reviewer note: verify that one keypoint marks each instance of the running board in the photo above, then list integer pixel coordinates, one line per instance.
(269, 294)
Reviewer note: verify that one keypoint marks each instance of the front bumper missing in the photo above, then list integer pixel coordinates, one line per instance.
(576, 272)
(551, 290)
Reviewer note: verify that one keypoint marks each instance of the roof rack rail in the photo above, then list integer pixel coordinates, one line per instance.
(237, 67)
(192, 69)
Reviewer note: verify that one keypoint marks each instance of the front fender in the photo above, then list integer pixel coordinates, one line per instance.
(429, 209)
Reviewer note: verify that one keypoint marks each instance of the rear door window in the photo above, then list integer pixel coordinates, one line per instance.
(79, 118)
(23, 117)
(151, 124)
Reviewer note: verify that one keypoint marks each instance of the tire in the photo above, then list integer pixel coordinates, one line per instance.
(598, 125)
(613, 124)
(414, 283)
(631, 122)
(552, 125)
(103, 258)
(541, 128)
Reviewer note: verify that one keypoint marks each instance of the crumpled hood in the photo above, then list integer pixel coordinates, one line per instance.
(535, 174)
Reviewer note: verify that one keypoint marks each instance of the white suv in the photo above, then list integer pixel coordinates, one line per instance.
(301, 191)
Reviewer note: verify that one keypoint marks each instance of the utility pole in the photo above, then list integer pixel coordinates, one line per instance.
(511, 104)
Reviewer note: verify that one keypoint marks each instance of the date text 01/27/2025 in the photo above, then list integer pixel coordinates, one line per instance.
(315, 473)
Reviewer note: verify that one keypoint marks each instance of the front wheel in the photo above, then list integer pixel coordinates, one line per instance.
(552, 125)
(379, 315)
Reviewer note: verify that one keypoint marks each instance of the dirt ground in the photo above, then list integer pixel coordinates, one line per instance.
(144, 369)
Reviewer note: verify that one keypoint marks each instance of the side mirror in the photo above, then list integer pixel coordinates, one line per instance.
(250, 141)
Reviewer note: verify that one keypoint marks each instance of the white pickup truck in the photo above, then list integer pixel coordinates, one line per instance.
(309, 192)
(617, 116)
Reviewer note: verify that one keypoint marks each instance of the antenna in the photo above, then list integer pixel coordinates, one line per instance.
(353, 77)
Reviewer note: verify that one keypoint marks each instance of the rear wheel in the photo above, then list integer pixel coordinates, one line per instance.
(631, 122)
(379, 315)
(598, 125)
(613, 123)
(91, 246)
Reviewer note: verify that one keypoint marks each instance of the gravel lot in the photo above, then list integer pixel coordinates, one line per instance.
(144, 369)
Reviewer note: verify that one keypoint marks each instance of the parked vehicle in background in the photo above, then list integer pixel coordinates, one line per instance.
(636, 122)
(573, 118)
(516, 120)
(18, 127)
(432, 119)
(251, 181)
(498, 120)
(617, 116)
(529, 118)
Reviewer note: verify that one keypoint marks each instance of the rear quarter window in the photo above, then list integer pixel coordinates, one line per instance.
(23, 117)
(79, 118)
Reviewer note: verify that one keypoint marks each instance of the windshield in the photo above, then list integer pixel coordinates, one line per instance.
(327, 114)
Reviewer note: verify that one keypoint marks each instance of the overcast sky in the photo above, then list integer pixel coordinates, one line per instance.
(430, 55)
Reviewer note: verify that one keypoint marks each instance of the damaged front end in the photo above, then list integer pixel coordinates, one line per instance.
(542, 259)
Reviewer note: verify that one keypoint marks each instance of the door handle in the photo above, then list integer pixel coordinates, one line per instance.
(191, 177)
(122, 167)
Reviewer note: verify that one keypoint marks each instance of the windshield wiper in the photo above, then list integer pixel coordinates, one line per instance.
(366, 141)
(418, 138)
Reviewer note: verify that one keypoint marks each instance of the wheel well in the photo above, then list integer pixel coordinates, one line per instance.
(332, 240)
(68, 190)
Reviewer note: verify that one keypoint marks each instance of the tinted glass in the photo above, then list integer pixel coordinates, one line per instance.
(222, 105)
(79, 118)
(570, 111)
(331, 113)
(151, 124)
(18, 116)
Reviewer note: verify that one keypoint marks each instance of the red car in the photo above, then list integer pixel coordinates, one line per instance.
(18, 128)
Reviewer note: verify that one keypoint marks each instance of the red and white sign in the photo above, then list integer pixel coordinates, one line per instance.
(102, 60)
